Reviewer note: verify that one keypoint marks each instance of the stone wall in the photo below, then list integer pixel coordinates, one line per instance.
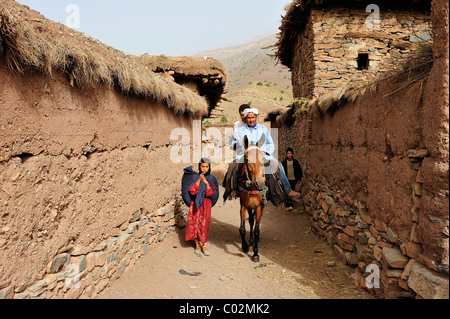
(338, 35)
(303, 73)
(85, 271)
(85, 179)
(376, 168)
(364, 185)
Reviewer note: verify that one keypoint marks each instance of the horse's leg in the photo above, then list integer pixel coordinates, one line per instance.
(251, 221)
(242, 229)
(259, 213)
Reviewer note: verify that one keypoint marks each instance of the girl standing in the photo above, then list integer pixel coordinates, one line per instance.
(204, 192)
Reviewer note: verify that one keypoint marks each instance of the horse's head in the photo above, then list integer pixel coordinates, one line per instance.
(254, 157)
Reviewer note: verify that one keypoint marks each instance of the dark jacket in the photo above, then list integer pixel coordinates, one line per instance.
(297, 169)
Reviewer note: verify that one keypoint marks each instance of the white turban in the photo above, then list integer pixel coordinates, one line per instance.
(248, 111)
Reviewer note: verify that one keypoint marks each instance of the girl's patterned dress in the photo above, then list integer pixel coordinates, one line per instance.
(198, 220)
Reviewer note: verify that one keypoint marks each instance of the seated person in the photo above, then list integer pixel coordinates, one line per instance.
(254, 132)
(231, 167)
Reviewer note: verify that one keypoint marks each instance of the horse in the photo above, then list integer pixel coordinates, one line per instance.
(252, 194)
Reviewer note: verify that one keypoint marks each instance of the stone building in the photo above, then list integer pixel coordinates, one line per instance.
(328, 44)
(374, 150)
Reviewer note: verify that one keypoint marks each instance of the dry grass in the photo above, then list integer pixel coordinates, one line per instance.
(188, 66)
(32, 44)
(205, 74)
(414, 68)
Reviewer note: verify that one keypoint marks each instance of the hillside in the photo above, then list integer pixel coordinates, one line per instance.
(253, 77)
(250, 63)
(265, 96)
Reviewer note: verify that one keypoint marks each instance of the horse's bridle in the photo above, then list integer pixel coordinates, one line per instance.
(250, 183)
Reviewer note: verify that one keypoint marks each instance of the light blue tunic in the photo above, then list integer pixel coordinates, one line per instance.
(254, 134)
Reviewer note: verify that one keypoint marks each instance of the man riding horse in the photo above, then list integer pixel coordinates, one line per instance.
(274, 170)
(255, 168)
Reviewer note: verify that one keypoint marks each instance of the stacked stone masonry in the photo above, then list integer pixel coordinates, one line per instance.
(361, 241)
(326, 53)
(85, 271)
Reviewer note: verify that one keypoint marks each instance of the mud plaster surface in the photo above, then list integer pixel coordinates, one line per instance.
(74, 165)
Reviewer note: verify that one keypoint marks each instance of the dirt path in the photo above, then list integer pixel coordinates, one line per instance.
(289, 267)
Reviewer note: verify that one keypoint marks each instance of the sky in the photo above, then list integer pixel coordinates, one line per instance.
(170, 27)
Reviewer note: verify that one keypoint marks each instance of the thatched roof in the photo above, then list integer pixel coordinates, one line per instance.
(298, 11)
(209, 74)
(30, 41)
(189, 67)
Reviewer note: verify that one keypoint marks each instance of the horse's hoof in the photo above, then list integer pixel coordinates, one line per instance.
(255, 259)
(245, 249)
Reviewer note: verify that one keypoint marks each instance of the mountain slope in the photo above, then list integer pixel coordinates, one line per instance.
(250, 63)
(253, 77)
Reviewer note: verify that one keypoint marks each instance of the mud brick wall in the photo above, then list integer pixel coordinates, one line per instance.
(435, 197)
(85, 179)
(325, 56)
(376, 184)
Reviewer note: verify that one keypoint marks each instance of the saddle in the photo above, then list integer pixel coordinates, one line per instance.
(275, 191)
